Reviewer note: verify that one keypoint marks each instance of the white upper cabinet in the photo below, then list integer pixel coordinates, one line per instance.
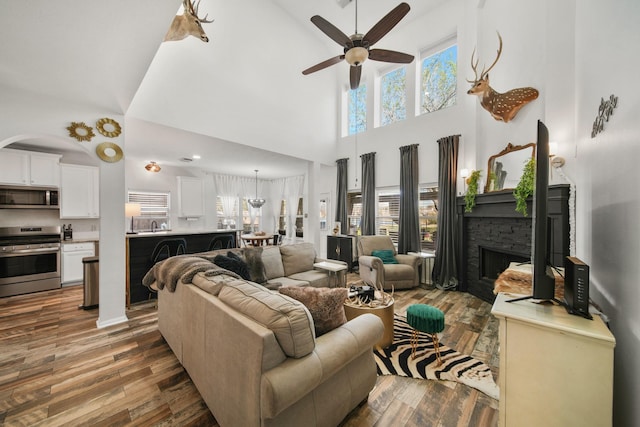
(79, 191)
(190, 196)
(20, 167)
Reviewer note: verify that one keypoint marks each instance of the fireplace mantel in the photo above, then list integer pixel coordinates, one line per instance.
(495, 224)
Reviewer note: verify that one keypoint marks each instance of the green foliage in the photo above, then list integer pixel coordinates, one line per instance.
(439, 78)
(472, 191)
(394, 98)
(524, 189)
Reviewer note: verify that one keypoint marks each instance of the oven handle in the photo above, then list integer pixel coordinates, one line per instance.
(30, 251)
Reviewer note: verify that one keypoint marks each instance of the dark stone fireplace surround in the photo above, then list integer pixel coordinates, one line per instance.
(494, 234)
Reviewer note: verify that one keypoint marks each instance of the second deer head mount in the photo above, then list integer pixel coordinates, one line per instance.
(188, 24)
(501, 106)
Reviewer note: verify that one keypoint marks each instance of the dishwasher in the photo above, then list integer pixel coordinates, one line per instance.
(72, 254)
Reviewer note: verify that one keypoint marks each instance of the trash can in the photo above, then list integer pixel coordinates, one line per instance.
(91, 268)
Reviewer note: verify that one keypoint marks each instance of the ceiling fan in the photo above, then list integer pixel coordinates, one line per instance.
(357, 47)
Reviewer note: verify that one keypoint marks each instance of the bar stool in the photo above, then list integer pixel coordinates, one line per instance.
(226, 241)
(428, 319)
(164, 249)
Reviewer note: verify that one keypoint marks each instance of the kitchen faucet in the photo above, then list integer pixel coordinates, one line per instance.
(154, 226)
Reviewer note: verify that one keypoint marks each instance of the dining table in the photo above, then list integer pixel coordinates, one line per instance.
(257, 240)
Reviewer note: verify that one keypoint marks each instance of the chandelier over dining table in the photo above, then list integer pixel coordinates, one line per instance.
(257, 202)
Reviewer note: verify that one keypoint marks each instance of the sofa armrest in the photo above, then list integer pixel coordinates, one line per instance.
(283, 385)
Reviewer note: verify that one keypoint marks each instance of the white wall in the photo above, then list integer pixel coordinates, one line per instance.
(607, 36)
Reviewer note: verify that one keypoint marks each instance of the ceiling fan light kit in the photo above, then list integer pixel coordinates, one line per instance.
(357, 48)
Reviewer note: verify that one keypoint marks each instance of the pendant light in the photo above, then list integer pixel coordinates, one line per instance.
(256, 203)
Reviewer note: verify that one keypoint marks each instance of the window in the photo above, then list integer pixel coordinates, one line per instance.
(438, 77)
(388, 215)
(428, 212)
(393, 99)
(154, 206)
(231, 204)
(354, 212)
(247, 227)
(357, 108)
(282, 219)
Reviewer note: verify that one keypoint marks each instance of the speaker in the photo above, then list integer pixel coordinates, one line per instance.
(576, 286)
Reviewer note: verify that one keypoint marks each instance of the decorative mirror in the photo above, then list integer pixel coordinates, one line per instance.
(505, 168)
(80, 131)
(108, 127)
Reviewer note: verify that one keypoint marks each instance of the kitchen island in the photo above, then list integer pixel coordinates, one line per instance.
(140, 248)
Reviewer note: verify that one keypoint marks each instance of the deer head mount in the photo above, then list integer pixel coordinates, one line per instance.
(501, 106)
(188, 24)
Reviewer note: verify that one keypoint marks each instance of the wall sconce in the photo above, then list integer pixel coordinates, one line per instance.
(464, 174)
(556, 161)
(153, 167)
(132, 209)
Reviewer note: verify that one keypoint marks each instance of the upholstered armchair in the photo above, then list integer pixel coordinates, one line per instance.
(373, 270)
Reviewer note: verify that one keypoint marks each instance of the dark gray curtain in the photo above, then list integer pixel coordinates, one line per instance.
(445, 274)
(409, 221)
(368, 222)
(341, 196)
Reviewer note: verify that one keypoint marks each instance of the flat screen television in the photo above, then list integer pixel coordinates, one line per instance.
(543, 287)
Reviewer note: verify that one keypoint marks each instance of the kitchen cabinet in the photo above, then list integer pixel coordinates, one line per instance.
(79, 191)
(72, 255)
(20, 167)
(190, 197)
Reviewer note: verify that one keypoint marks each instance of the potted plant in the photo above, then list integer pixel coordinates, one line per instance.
(524, 189)
(472, 190)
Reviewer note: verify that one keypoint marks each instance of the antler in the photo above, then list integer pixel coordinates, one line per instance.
(474, 67)
(484, 73)
(193, 10)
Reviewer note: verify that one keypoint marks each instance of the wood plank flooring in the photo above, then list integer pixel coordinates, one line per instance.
(57, 368)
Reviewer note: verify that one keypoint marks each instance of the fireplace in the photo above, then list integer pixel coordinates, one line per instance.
(494, 234)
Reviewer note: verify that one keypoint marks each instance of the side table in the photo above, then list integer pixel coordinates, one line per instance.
(337, 272)
(426, 265)
(384, 313)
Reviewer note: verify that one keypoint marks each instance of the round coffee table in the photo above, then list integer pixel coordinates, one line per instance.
(384, 313)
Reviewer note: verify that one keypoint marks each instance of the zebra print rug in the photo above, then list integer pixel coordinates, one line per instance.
(396, 360)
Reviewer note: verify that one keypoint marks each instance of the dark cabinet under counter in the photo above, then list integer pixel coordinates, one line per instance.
(342, 248)
(139, 252)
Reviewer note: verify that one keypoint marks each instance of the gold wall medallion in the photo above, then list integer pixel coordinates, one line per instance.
(109, 152)
(80, 131)
(108, 127)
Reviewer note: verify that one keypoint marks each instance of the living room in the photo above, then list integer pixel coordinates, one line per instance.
(574, 53)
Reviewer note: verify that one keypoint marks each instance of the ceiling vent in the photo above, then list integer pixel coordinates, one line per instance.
(343, 3)
(186, 159)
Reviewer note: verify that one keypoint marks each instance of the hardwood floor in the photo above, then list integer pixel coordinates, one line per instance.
(57, 368)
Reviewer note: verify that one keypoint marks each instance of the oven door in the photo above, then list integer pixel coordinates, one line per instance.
(27, 269)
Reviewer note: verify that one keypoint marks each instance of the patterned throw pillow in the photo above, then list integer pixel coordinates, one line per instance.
(385, 255)
(324, 304)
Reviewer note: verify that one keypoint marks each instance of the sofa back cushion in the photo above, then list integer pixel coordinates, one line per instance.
(272, 262)
(297, 258)
(288, 319)
(367, 244)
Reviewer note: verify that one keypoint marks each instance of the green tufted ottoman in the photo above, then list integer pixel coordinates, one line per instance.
(425, 318)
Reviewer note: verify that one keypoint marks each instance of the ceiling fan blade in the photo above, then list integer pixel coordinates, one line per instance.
(390, 56)
(329, 29)
(386, 24)
(354, 76)
(323, 65)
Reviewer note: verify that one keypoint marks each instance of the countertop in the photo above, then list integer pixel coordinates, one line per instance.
(177, 232)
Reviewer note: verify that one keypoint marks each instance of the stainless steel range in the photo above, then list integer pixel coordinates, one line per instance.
(29, 259)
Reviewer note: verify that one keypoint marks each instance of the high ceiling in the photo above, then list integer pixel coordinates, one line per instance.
(240, 100)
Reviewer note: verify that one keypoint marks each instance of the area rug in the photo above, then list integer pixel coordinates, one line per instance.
(396, 360)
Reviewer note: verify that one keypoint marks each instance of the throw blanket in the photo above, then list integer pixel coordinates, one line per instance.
(181, 268)
(516, 279)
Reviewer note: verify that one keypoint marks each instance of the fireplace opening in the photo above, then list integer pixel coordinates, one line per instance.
(494, 261)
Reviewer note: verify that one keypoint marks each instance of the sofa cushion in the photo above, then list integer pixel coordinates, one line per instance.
(253, 258)
(386, 255)
(288, 319)
(297, 258)
(315, 278)
(272, 262)
(325, 305)
(232, 263)
(285, 281)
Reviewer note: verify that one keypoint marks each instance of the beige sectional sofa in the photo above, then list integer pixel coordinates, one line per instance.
(253, 355)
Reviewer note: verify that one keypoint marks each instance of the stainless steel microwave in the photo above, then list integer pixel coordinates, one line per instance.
(16, 197)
